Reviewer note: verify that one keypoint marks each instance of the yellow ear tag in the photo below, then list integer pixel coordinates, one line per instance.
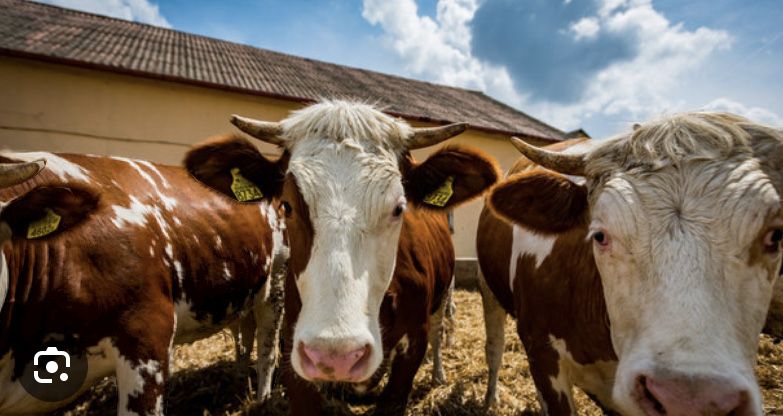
(45, 226)
(441, 196)
(243, 189)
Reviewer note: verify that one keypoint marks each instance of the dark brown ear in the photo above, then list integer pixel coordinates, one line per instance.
(46, 211)
(217, 162)
(451, 176)
(541, 201)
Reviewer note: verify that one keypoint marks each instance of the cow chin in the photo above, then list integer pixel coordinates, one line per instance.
(647, 384)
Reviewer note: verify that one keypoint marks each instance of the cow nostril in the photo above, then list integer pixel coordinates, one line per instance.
(364, 358)
(649, 396)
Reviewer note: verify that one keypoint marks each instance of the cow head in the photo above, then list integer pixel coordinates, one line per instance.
(38, 213)
(345, 183)
(685, 220)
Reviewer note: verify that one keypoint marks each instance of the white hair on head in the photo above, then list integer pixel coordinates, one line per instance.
(340, 119)
(674, 139)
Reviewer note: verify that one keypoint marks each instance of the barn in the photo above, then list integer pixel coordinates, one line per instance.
(83, 83)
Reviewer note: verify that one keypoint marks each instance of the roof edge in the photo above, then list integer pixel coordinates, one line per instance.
(222, 87)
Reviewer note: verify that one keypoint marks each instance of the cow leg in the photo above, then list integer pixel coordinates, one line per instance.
(406, 363)
(269, 316)
(435, 339)
(554, 388)
(143, 358)
(451, 309)
(243, 331)
(494, 321)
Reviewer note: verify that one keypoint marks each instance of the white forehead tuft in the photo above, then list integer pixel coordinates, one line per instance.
(338, 120)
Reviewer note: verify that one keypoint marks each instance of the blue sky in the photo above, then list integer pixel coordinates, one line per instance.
(596, 64)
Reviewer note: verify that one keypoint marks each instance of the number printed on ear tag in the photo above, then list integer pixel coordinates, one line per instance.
(45, 226)
(441, 196)
(243, 189)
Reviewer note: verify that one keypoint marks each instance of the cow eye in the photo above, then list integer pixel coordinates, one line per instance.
(398, 210)
(601, 239)
(773, 239)
(286, 208)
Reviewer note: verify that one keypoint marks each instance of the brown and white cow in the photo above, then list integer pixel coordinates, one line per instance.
(642, 272)
(371, 254)
(142, 257)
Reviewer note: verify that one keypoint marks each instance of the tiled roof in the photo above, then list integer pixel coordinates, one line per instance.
(39, 31)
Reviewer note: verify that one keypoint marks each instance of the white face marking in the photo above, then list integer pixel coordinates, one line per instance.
(62, 168)
(684, 290)
(351, 194)
(528, 243)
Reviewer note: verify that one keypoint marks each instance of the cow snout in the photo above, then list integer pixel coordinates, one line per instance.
(326, 364)
(688, 395)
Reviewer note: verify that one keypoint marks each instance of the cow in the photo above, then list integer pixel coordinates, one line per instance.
(371, 256)
(639, 269)
(113, 261)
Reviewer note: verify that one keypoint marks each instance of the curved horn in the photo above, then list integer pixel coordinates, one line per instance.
(559, 162)
(267, 131)
(16, 173)
(428, 136)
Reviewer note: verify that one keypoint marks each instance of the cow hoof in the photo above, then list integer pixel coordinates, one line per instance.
(438, 379)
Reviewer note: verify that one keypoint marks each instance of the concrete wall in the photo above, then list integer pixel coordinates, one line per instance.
(66, 109)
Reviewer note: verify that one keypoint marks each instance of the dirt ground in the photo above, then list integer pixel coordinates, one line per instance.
(205, 380)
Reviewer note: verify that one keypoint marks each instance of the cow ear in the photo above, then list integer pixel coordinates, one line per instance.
(47, 211)
(541, 201)
(451, 176)
(234, 167)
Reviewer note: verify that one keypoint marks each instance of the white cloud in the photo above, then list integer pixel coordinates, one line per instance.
(585, 28)
(439, 50)
(644, 85)
(635, 88)
(136, 10)
(757, 114)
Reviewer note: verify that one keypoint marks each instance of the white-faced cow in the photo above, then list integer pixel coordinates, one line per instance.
(371, 254)
(116, 260)
(640, 269)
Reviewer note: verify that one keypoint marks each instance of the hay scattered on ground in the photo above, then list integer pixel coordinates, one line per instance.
(205, 380)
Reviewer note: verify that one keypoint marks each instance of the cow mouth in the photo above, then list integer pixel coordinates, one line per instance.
(646, 400)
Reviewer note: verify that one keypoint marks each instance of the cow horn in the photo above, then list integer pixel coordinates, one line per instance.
(564, 163)
(429, 136)
(16, 173)
(267, 131)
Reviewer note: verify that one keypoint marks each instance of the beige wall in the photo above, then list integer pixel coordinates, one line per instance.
(65, 109)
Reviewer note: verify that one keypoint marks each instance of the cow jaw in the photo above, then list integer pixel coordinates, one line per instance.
(686, 284)
(350, 196)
